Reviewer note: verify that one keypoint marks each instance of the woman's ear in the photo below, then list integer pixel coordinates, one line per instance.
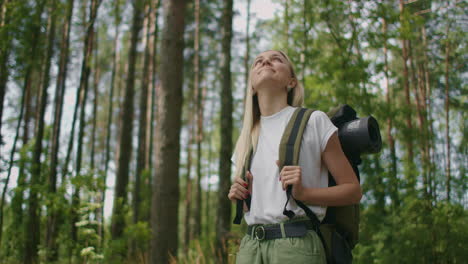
(292, 84)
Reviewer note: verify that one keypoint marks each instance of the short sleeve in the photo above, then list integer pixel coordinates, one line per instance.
(323, 126)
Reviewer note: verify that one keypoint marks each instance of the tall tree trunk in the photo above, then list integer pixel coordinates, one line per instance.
(52, 213)
(34, 209)
(83, 88)
(199, 111)
(96, 77)
(305, 29)
(391, 140)
(286, 25)
(110, 114)
(427, 106)
(4, 72)
(142, 125)
(4, 67)
(152, 104)
(447, 114)
(247, 51)
(210, 154)
(422, 126)
(224, 205)
(126, 127)
(188, 181)
(407, 113)
(164, 213)
(32, 222)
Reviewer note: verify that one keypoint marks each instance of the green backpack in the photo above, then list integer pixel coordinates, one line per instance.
(340, 227)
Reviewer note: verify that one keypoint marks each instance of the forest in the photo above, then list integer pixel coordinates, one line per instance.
(118, 120)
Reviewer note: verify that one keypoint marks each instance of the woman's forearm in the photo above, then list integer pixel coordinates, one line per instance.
(343, 194)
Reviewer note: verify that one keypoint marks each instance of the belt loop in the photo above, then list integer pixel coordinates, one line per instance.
(283, 234)
(252, 234)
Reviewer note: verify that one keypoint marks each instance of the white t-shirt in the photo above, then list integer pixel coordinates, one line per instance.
(268, 196)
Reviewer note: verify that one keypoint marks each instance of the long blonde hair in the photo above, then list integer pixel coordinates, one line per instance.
(251, 123)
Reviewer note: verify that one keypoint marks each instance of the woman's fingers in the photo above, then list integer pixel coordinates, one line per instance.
(292, 179)
(238, 191)
(241, 182)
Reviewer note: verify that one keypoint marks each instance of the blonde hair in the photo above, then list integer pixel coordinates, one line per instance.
(251, 123)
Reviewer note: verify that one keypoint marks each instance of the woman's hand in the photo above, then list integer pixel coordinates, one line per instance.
(240, 189)
(292, 175)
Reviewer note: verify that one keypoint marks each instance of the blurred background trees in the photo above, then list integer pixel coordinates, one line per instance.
(118, 120)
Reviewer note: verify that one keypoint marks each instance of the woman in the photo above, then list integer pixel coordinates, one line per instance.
(272, 96)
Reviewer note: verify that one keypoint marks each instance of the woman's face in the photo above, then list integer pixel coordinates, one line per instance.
(270, 70)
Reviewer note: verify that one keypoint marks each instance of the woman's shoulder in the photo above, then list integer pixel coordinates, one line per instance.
(318, 116)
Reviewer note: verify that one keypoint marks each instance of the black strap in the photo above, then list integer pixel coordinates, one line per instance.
(240, 203)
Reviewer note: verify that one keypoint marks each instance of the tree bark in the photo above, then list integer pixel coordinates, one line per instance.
(110, 114)
(126, 127)
(142, 151)
(407, 113)
(164, 214)
(152, 104)
(247, 51)
(83, 88)
(96, 77)
(32, 222)
(224, 205)
(391, 140)
(34, 209)
(52, 215)
(199, 110)
(4, 67)
(447, 114)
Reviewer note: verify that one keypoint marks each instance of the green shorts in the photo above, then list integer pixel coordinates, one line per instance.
(289, 250)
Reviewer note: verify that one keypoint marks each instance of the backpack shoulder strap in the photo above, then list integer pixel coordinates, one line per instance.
(290, 145)
(240, 203)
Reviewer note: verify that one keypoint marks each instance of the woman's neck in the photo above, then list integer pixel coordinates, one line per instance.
(270, 103)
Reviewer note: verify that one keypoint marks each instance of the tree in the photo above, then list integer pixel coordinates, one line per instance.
(164, 213)
(32, 225)
(126, 126)
(52, 214)
(224, 205)
(33, 209)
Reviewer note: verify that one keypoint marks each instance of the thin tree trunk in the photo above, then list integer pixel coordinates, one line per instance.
(188, 181)
(224, 205)
(305, 28)
(247, 51)
(427, 105)
(115, 64)
(142, 126)
(422, 127)
(32, 222)
(52, 214)
(152, 103)
(34, 209)
(4, 72)
(391, 140)
(126, 126)
(83, 88)
(447, 114)
(286, 25)
(210, 153)
(199, 111)
(96, 77)
(164, 213)
(407, 113)
(4, 67)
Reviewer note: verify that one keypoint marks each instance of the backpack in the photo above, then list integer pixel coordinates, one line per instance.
(339, 229)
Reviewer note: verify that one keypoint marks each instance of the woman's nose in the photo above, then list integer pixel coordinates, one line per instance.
(266, 61)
